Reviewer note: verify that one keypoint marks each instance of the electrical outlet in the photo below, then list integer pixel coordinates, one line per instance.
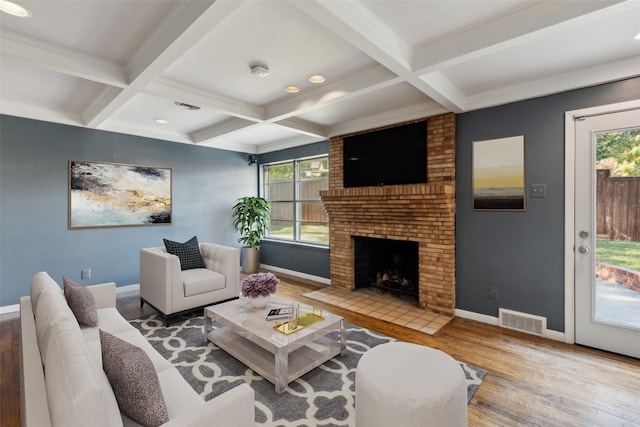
(538, 190)
(492, 293)
(86, 273)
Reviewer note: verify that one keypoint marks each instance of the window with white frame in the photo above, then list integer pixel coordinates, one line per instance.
(293, 190)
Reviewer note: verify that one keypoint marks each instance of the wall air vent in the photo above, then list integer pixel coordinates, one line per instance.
(523, 322)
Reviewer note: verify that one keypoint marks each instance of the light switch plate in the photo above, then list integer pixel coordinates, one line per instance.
(539, 190)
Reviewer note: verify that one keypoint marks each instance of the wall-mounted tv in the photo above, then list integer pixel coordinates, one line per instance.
(391, 156)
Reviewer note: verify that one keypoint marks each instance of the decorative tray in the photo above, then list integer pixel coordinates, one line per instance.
(304, 321)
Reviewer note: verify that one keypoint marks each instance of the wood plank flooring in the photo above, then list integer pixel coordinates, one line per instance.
(531, 382)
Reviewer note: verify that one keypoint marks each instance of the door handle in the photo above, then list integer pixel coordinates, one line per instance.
(583, 250)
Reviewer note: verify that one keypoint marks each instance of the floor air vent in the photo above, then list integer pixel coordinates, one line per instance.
(523, 322)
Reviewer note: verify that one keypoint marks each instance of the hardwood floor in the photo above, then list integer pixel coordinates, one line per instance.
(531, 382)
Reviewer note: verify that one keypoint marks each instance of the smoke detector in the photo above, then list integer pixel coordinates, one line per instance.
(261, 71)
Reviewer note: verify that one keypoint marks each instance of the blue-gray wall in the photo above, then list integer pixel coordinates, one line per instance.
(34, 159)
(520, 253)
(302, 258)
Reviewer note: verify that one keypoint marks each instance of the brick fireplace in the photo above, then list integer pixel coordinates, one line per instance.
(422, 213)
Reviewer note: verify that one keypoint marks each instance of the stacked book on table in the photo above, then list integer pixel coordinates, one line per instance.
(280, 313)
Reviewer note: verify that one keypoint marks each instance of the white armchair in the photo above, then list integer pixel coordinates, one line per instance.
(170, 290)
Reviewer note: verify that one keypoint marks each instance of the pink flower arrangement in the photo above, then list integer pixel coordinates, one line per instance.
(259, 284)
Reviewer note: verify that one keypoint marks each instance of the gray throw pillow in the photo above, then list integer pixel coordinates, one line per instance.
(188, 252)
(81, 302)
(134, 381)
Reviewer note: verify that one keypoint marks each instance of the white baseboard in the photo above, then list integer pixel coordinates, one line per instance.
(555, 335)
(10, 309)
(492, 320)
(129, 288)
(293, 273)
(484, 318)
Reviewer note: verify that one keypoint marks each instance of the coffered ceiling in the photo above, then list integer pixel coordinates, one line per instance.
(119, 65)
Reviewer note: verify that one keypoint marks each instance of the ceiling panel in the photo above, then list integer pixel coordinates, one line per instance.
(144, 109)
(388, 99)
(118, 65)
(111, 30)
(421, 23)
(275, 34)
(40, 88)
(581, 46)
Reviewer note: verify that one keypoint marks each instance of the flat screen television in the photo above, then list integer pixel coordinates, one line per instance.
(391, 156)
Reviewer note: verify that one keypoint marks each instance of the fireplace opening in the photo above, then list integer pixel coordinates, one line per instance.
(387, 265)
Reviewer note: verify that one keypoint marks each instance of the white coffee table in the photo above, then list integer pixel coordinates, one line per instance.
(277, 357)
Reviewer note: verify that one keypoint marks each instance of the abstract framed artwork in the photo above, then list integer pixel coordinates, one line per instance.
(498, 174)
(118, 195)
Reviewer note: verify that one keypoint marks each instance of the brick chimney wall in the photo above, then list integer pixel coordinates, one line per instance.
(424, 213)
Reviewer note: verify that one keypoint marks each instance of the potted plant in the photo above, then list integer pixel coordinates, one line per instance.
(251, 216)
(259, 287)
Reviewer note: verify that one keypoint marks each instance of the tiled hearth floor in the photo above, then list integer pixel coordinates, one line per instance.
(382, 306)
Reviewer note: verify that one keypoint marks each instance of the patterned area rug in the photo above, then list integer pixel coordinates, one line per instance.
(323, 397)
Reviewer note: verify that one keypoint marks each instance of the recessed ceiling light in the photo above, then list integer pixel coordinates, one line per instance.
(162, 121)
(637, 37)
(316, 79)
(292, 89)
(14, 9)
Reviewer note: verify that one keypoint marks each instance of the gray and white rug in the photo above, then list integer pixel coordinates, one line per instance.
(323, 397)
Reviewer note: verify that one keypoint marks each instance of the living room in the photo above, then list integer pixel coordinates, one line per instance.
(522, 254)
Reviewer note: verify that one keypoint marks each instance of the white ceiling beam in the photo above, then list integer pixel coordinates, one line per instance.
(585, 77)
(283, 144)
(108, 94)
(430, 63)
(305, 127)
(176, 91)
(189, 22)
(512, 30)
(355, 23)
(30, 111)
(411, 112)
(440, 89)
(62, 60)
(228, 127)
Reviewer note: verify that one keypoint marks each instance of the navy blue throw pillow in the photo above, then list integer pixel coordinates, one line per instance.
(188, 252)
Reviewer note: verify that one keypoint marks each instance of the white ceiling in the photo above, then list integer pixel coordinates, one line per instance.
(117, 65)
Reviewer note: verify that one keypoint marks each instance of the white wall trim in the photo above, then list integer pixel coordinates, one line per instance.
(294, 273)
(569, 207)
(129, 288)
(484, 318)
(9, 309)
(492, 320)
(569, 221)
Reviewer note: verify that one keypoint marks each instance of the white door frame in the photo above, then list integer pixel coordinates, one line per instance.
(569, 207)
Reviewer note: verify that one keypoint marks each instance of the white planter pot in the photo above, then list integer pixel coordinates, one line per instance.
(259, 302)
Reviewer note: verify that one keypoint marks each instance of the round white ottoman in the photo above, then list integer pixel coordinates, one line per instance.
(402, 384)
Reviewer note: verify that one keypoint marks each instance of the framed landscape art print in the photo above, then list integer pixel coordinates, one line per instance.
(498, 174)
(118, 195)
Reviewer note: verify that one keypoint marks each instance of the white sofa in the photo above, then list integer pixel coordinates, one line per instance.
(171, 290)
(61, 378)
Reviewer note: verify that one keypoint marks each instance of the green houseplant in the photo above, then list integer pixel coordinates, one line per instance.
(251, 216)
